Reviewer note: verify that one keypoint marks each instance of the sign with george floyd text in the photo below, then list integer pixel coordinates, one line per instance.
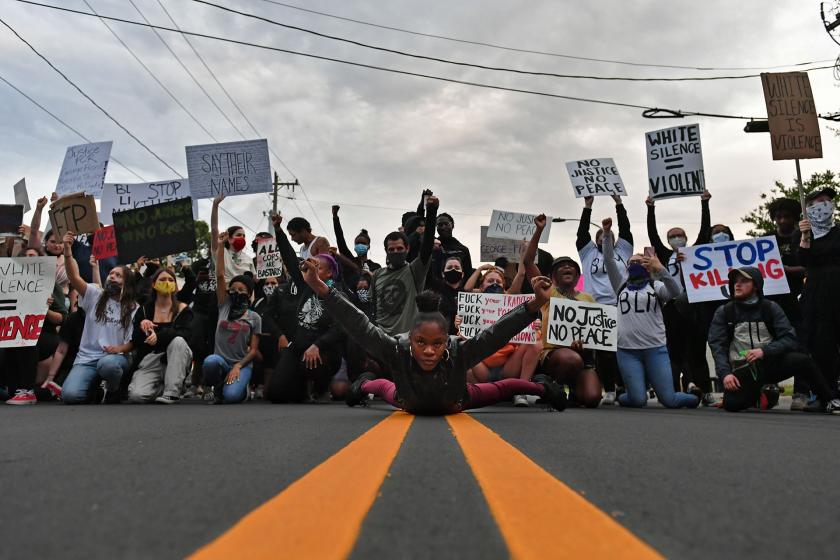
(84, 169)
(481, 311)
(492, 249)
(792, 115)
(231, 169)
(164, 229)
(118, 197)
(675, 162)
(25, 285)
(514, 225)
(269, 261)
(595, 177)
(75, 212)
(593, 324)
(11, 218)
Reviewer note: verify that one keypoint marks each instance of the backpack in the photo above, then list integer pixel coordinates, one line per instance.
(766, 310)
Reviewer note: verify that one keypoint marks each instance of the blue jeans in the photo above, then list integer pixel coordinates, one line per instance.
(110, 368)
(215, 370)
(638, 367)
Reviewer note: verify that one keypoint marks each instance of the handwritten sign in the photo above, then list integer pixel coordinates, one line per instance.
(481, 311)
(104, 243)
(792, 115)
(595, 177)
(84, 169)
(592, 323)
(163, 229)
(76, 213)
(25, 285)
(21, 196)
(11, 218)
(118, 197)
(269, 261)
(706, 267)
(232, 168)
(675, 162)
(514, 225)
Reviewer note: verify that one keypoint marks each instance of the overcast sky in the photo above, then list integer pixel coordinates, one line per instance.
(367, 139)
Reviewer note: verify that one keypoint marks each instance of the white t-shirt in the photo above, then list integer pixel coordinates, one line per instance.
(595, 278)
(237, 264)
(96, 335)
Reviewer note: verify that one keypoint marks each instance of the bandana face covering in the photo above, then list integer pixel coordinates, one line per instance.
(269, 289)
(238, 305)
(364, 295)
(821, 216)
(637, 277)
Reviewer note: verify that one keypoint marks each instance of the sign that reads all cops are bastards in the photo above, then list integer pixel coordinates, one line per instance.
(269, 261)
(481, 311)
(792, 116)
(25, 285)
(675, 162)
(593, 324)
(231, 169)
(514, 225)
(595, 177)
(163, 229)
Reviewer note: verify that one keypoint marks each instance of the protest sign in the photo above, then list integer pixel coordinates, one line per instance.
(11, 218)
(25, 285)
(492, 249)
(104, 243)
(706, 267)
(592, 323)
(84, 169)
(21, 196)
(269, 261)
(76, 213)
(481, 311)
(155, 231)
(792, 115)
(232, 168)
(514, 225)
(675, 162)
(595, 177)
(118, 197)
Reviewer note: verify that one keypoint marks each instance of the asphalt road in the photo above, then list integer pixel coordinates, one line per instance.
(161, 482)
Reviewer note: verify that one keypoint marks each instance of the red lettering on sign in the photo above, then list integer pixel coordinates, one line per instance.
(26, 328)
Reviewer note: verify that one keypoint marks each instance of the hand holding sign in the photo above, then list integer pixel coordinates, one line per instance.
(595, 177)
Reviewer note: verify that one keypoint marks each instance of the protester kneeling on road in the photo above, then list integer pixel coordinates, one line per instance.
(754, 344)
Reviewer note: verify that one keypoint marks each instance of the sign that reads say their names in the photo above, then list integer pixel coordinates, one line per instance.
(706, 267)
(792, 116)
(230, 169)
(269, 261)
(675, 162)
(593, 324)
(118, 197)
(75, 212)
(11, 218)
(595, 177)
(84, 169)
(513, 225)
(25, 285)
(164, 229)
(481, 311)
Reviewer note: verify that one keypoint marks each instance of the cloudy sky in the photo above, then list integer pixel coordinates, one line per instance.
(371, 140)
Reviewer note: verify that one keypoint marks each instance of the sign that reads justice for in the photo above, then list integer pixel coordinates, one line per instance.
(481, 311)
(231, 169)
(25, 285)
(513, 225)
(594, 324)
(792, 116)
(675, 162)
(84, 169)
(595, 177)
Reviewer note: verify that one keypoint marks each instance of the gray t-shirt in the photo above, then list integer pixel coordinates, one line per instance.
(394, 294)
(233, 338)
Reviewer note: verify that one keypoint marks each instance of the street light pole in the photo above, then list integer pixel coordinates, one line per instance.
(561, 220)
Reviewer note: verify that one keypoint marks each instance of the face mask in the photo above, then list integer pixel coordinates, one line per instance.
(637, 277)
(821, 216)
(396, 260)
(112, 288)
(364, 295)
(269, 289)
(165, 287)
(238, 243)
(721, 237)
(677, 242)
(361, 249)
(494, 289)
(452, 276)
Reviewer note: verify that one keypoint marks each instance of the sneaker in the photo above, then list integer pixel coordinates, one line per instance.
(815, 405)
(709, 400)
(166, 399)
(55, 389)
(695, 390)
(355, 395)
(520, 400)
(609, 398)
(23, 396)
(833, 407)
(799, 401)
(770, 396)
(554, 393)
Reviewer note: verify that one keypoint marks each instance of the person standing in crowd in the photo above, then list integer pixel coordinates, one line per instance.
(300, 231)
(236, 262)
(451, 247)
(361, 245)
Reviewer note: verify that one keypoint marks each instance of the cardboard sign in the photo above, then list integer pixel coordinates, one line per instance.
(118, 197)
(76, 213)
(84, 169)
(675, 162)
(269, 261)
(492, 249)
(21, 196)
(104, 243)
(164, 229)
(25, 285)
(233, 168)
(792, 115)
(594, 324)
(595, 177)
(706, 267)
(514, 225)
(11, 218)
(480, 311)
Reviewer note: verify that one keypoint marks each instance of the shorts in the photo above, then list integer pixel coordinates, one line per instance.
(46, 345)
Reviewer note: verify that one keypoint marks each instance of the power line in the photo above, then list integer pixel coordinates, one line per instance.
(478, 66)
(530, 51)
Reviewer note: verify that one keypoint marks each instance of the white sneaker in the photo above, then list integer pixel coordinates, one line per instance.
(609, 398)
(520, 400)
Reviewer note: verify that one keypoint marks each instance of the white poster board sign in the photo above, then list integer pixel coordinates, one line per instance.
(25, 285)
(84, 169)
(515, 225)
(21, 196)
(269, 261)
(675, 162)
(481, 311)
(595, 177)
(706, 267)
(232, 168)
(594, 324)
(118, 197)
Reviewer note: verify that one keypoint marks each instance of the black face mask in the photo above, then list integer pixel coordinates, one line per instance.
(396, 260)
(238, 304)
(453, 276)
(494, 289)
(112, 288)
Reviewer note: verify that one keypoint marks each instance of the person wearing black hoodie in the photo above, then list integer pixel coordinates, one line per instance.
(451, 246)
(753, 344)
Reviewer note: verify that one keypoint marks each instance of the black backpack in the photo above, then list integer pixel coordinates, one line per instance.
(766, 309)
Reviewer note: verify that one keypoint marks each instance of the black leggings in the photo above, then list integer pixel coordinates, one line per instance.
(288, 384)
(20, 365)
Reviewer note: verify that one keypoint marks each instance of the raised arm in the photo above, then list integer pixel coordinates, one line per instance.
(72, 267)
(653, 232)
(519, 279)
(583, 236)
(705, 235)
(623, 221)
(287, 252)
(530, 255)
(221, 284)
(35, 227)
(616, 279)
(421, 207)
(670, 288)
(214, 224)
(428, 244)
(340, 242)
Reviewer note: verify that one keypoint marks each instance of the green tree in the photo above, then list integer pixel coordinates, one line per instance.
(202, 240)
(759, 218)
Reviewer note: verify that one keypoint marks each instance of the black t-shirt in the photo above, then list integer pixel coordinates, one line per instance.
(789, 249)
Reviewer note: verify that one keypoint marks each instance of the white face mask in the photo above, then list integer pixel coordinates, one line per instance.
(821, 216)
(677, 242)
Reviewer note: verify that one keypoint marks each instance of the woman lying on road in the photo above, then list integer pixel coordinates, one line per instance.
(429, 367)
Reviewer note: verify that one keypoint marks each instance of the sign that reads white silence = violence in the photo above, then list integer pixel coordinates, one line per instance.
(675, 162)
(25, 285)
(118, 197)
(593, 324)
(706, 267)
(481, 311)
(269, 261)
(792, 116)
(84, 169)
(232, 168)
(595, 177)
(514, 225)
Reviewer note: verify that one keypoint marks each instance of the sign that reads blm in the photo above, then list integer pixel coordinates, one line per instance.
(513, 225)
(595, 177)
(792, 116)
(230, 169)
(117, 197)
(84, 169)
(269, 261)
(25, 285)
(481, 311)
(675, 162)
(594, 324)
(155, 231)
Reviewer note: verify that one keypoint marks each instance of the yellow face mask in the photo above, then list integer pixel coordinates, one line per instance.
(165, 287)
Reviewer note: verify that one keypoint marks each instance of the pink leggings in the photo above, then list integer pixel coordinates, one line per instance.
(480, 394)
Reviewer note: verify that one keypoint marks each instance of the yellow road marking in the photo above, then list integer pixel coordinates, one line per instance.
(539, 516)
(339, 492)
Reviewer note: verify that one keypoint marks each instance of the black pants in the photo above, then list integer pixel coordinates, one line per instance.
(696, 317)
(288, 384)
(20, 366)
(675, 336)
(606, 366)
(823, 337)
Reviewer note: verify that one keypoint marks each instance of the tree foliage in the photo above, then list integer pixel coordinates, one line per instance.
(202, 240)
